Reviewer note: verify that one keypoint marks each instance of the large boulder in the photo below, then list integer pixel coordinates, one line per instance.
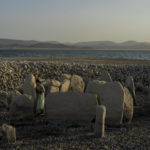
(3, 101)
(77, 84)
(105, 76)
(29, 86)
(94, 86)
(128, 106)
(65, 86)
(21, 108)
(71, 106)
(130, 85)
(114, 98)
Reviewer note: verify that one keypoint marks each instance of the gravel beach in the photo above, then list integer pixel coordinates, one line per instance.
(41, 135)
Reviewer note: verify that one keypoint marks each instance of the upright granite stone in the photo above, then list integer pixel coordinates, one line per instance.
(65, 86)
(128, 106)
(8, 133)
(71, 106)
(21, 108)
(66, 76)
(105, 76)
(130, 85)
(55, 83)
(3, 101)
(77, 84)
(29, 86)
(94, 86)
(100, 121)
(12, 95)
(53, 89)
(112, 96)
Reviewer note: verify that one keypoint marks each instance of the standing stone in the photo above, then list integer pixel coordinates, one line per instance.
(3, 101)
(29, 86)
(71, 106)
(9, 133)
(55, 83)
(105, 76)
(113, 97)
(53, 89)
(130, 85)
(21, 108)
(66, 76)
(94, 86)
(77, 84)
(100, 120)
(149, 93)
(128, 106)
(65, 86)
(12, 95)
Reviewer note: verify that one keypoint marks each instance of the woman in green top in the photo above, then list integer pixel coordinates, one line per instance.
(40, 90)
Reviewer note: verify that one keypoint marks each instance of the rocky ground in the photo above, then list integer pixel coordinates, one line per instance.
(41, 135)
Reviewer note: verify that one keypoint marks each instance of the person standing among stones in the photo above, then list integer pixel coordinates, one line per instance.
(40, 90)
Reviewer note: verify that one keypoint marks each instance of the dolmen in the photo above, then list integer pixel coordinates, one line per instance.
(74, 101)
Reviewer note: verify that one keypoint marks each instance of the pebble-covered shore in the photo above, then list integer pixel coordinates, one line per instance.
(12, 73)
(42, 136)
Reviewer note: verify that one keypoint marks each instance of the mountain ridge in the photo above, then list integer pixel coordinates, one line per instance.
(93, 45)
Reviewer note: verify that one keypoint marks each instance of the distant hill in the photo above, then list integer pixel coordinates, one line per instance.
(91, 45)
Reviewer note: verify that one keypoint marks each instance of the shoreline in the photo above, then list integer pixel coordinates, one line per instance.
(80, 60)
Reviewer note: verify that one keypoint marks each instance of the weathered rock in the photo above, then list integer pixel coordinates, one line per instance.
(128, 106)
(55, 83)
(65, 86)
(66, 76)
(9, 133)
(21, 108)
(77, 84)
(130, 85)
(29, 86)
(3, 101)
(105, 76)
(47, 85)
(71, 106)
(94, 86)
(100, 120)
(112, 96)
(12, 95)
(149, 93)
(53, 89)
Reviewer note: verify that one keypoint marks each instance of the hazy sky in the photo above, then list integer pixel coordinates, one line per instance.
(75, 20)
